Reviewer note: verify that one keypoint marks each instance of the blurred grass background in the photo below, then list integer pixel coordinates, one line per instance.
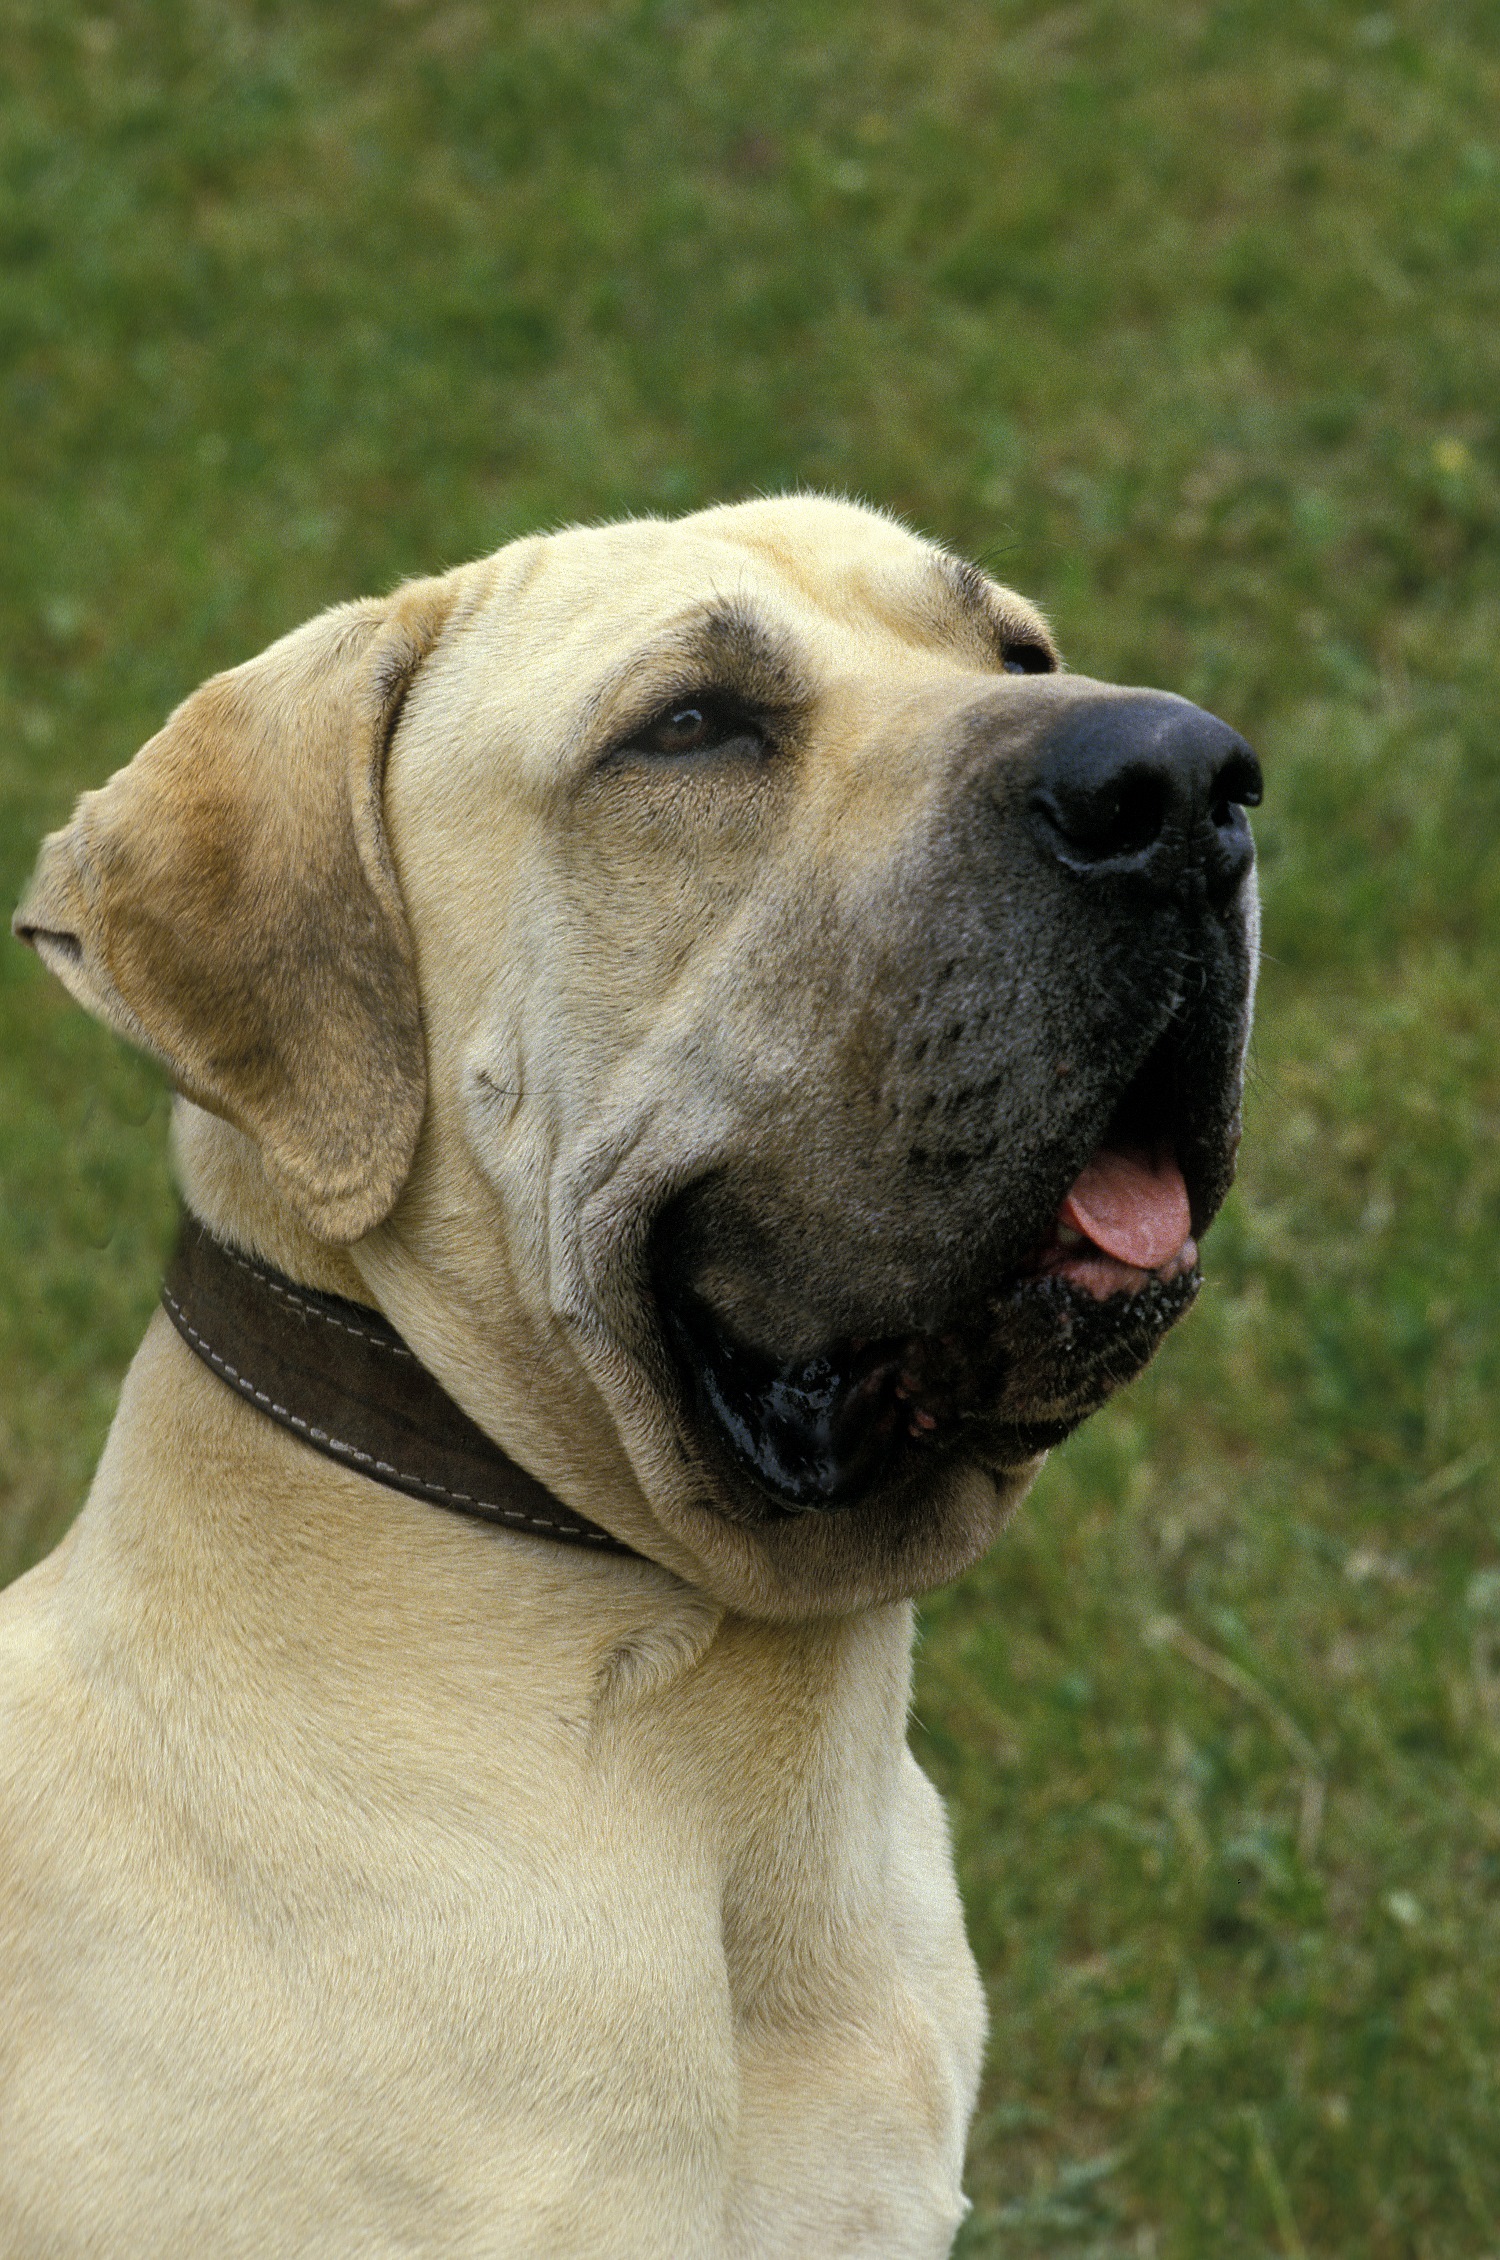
(1182, 315)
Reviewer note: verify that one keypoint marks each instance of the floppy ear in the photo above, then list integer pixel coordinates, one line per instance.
(228, 902)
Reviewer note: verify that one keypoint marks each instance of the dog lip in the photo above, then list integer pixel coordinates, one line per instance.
(1100, 1275)
(822, 1432)
(809, 1431)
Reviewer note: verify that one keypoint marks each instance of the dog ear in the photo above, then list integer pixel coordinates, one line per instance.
(227, 902)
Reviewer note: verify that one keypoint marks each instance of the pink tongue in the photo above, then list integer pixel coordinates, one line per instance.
(1131, 1210)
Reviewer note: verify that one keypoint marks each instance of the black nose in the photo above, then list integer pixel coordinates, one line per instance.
(1148, 788)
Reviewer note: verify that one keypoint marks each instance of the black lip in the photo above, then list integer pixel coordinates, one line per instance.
(1012, 1378)
(811, 1432)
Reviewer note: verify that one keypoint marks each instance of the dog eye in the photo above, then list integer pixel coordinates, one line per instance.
(689, 730)
(1027, 659)
(700, 725)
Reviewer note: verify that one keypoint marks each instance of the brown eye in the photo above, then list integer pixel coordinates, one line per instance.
(707, 724)
(686, 731)
(1027, 659)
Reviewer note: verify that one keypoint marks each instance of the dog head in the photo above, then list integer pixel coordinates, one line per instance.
(768, 1037)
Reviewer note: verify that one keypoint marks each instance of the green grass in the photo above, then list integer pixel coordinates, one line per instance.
(1184, 317)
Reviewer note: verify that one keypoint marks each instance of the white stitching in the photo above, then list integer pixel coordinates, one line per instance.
(298, 1302)
(320, 1436)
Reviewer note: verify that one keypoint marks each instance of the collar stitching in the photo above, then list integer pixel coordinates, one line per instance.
(241, 1381)
(310, 1310)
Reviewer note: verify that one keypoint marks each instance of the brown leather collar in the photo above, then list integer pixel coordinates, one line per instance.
(339, 1378)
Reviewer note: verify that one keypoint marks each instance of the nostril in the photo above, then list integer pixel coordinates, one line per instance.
(1238, 785)
(1138, 815)
(1121, 815)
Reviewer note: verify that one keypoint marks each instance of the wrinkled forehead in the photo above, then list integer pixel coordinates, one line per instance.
(567, 621)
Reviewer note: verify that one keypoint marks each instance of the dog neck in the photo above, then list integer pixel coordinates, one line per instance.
(646, 1623)
(337, 1376)
(223, 1572)
(491, 1349)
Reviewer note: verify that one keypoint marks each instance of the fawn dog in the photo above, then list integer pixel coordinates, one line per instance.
(718, 1008)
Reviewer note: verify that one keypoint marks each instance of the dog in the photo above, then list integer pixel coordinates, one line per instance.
(760, 1042)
